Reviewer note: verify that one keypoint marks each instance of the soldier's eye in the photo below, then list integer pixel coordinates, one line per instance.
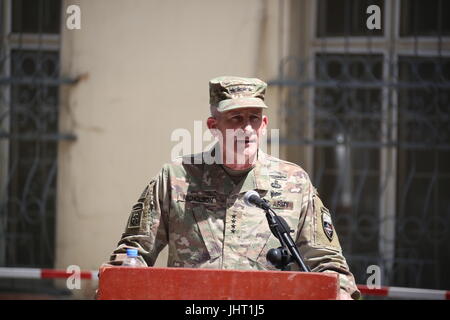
(236, 119)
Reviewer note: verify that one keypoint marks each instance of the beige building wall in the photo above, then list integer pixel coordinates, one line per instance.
(146, 66)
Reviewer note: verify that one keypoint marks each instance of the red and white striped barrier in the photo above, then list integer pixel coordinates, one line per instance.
(32, 273)
(391, 292)
(406, 293)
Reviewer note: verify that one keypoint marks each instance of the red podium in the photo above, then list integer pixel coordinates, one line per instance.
(124, 283)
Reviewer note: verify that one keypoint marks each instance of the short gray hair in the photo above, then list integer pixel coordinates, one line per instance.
(213, 111)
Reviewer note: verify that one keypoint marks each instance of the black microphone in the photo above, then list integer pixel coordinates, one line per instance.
(252, 198)
(279, 228)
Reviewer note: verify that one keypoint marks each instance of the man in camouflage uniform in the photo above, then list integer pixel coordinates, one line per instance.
(196, 207)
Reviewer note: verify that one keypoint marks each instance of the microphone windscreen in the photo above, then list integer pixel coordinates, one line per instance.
(250, 197)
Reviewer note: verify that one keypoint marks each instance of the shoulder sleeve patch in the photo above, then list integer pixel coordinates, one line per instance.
(136, 216)
(324, 231)
(140, 212)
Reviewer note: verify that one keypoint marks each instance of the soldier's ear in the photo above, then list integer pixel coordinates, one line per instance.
(265, 123)
(211, 123)
(265, 120)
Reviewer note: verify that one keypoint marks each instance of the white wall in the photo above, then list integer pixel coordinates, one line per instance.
(147, 66)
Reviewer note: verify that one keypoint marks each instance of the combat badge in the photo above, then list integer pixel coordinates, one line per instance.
(136, 215)
(278, 176)
(275, 185)
(274, 194)
(327, 224)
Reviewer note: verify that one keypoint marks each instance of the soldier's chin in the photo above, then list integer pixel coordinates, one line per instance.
(249, 150)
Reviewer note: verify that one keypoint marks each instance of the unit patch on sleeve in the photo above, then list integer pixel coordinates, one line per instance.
(136, 215)
(327, 225)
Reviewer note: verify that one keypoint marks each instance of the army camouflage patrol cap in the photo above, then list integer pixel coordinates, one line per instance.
(229, 93)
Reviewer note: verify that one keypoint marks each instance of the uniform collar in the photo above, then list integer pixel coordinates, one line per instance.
(216, 179)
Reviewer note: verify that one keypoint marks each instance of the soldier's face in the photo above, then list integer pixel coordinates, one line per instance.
(238, 132)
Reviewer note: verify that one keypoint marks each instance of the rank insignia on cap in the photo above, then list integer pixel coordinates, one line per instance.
(327, 224)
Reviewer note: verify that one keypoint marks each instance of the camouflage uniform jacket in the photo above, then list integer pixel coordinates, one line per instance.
(199, 212)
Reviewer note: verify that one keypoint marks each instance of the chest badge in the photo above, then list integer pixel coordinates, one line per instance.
(275, 184)
(200, 198)
(274, 194)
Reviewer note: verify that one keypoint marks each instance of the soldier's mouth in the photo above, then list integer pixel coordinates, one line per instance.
(246, 141)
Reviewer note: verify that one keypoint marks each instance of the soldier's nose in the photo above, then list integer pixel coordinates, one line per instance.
(248, 128)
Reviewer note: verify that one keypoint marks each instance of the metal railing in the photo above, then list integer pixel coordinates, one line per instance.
(375, 136)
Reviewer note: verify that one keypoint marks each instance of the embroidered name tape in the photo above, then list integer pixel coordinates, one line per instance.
(200, 198)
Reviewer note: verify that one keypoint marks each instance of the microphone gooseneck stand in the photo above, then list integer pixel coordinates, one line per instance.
(288, 251)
